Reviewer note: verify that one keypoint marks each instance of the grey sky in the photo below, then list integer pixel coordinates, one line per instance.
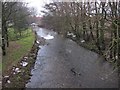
(38, 4)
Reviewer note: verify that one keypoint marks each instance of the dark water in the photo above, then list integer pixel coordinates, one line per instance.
(61, 63)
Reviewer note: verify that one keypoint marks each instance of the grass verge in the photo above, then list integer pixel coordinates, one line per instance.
(16, 50)
(26, 51)
(17, 80)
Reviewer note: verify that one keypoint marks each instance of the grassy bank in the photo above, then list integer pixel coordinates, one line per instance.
(17, 49)
(19, 79)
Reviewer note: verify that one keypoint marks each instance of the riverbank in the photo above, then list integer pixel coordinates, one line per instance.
(90, 45)
(17, 73)
(16, 50)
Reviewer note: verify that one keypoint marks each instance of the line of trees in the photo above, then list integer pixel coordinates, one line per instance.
(16, 15)
(97, 22)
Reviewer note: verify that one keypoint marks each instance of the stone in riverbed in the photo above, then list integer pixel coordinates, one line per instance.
(24, 64)
(6, 76)
(17, 70)
(8, 81)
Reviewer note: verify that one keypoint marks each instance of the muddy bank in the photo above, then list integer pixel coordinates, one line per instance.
(20, 73)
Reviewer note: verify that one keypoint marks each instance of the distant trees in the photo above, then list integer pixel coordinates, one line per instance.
(95, 22)
(20, 18)
(14, 14)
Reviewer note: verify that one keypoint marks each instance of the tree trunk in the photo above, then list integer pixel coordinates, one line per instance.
(102, 43)
(3, 46)
(3, 40)
(97, 29)
(6, 32)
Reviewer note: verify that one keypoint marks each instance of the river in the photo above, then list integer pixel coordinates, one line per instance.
(62, 63)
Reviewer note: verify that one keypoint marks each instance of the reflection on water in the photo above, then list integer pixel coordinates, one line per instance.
(45, 34)
(48, 37)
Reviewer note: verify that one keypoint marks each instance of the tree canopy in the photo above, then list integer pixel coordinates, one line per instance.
(16, 15)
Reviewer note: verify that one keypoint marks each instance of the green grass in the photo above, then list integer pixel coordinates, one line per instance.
(17, 50)
(15, 35)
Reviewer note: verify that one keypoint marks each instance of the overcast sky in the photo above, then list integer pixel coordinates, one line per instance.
(38, 4)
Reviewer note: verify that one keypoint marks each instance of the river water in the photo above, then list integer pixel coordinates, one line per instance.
(61, 63)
